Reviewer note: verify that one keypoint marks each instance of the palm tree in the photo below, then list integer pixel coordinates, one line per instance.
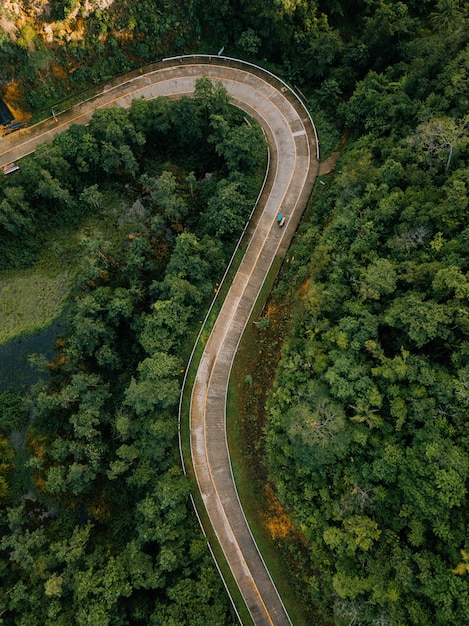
(448, 16)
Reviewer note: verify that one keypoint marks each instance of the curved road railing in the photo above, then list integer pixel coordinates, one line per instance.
(293, 166)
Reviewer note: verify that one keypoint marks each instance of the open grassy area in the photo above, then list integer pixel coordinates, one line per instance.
(30, 300)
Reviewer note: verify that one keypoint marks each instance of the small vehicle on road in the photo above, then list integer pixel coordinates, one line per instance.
(281, 219)
(10, 168)
(14, 126)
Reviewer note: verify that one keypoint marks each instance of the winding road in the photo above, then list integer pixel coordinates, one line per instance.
(293, 166)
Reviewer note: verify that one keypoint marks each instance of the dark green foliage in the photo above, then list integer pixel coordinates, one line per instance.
(58, 184)
(13, 414)
(110, 537)
(60, 9)
(367, 434)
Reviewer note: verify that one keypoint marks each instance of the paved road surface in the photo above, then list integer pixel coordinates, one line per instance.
(293, 168)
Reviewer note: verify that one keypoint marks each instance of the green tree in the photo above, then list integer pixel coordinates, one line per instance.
(379, 279)
(423, 320)
(442, 136)
(448, 15)
(227, 210)
(157, 386)
(164, 198)
(15, 211)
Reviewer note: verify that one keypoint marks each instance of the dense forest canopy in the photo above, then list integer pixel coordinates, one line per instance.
(367, 436)
(50, 48)
(368, 433)
(97, 528)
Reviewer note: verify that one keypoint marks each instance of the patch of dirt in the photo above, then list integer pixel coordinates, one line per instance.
(327, 166)
(303, 289)
(8, 26)
(13, 97)
(275, 518)
(59, 72)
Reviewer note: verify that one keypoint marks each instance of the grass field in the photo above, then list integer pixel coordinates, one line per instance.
(30, 300)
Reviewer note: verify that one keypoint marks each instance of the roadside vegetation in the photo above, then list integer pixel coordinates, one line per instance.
(367, 427)
(97, 525)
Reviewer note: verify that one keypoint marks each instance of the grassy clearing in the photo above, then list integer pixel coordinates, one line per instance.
(30, 300)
